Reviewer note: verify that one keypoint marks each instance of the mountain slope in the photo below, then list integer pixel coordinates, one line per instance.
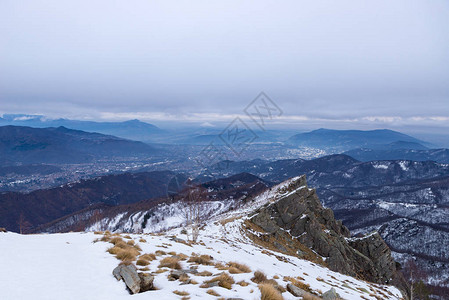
(231, 259)
(132, 129)
(44, 206)
(438, 155)
(343, 140)
(61, 145)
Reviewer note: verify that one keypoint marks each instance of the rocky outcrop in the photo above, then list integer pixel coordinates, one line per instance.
(135, 282)
(299, 212)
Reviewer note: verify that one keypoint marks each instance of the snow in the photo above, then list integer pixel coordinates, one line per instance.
(73, 266)
(56, 266)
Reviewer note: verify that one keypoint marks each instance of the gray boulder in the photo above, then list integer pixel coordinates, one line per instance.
(128, 272)
(146, 282)
(331, 295)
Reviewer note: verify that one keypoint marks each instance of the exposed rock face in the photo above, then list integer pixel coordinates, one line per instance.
(299, 212)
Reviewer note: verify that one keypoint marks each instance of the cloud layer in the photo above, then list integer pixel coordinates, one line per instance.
(347, 61)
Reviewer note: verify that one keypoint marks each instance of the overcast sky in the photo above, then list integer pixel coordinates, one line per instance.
(329, 63)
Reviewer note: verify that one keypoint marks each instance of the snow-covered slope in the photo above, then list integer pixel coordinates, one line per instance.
(78, 265)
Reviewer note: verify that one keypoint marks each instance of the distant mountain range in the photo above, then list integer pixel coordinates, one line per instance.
(132, 129)
(344, 140)
(438, 155)
(28, 145)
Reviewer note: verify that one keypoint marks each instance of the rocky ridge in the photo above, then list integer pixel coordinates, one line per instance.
(299, 214)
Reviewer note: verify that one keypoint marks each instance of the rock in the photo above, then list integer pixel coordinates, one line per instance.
(128, 272)
(295, 291)
(190, 271)
(146, 282)
(331, 295)
(299, 213)
(3, 230)
(176, 274)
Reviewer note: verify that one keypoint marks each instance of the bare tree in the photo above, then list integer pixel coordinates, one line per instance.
(417, 278)
(24, 225)
(193, 199)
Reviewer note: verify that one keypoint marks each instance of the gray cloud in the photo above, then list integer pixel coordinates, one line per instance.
(320, 59)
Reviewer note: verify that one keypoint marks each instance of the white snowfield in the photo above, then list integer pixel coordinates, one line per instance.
(73, 266)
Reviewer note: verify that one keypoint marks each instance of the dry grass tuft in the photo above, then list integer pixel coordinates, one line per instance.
(148, 256)
(127, 254)
(298, 283)
(243, 283)
(105, 238)
(241, 268)
(182, 256)
(204, 273)
(116, 240)
(224, 280)
(170, 262)
(202, 259)
(220, 266)
(127, 237)
(213, 293)
(181, 293)
(160, 252)
(172, 253)
(269, 292)
(142, 262)
(131, 242)
(142, 240)
(114, 250)
(259, 277)
(158, 271)
(144, 269)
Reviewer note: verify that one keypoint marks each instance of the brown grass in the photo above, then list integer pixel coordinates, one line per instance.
(181, 293)
(142, 240)
(202, 260)
(204, 273)
(116, 240)
(224, 280)
(269, 292)
(213, 293)
(127, 254)
(241, 268)
(148, 256)
(298, 283)
(243, 283)
(182, 256)
(259, 277)
(170, 262)
(310, 297)
(142, 262)
(127, 237)
(160, 252)
(158, 271)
